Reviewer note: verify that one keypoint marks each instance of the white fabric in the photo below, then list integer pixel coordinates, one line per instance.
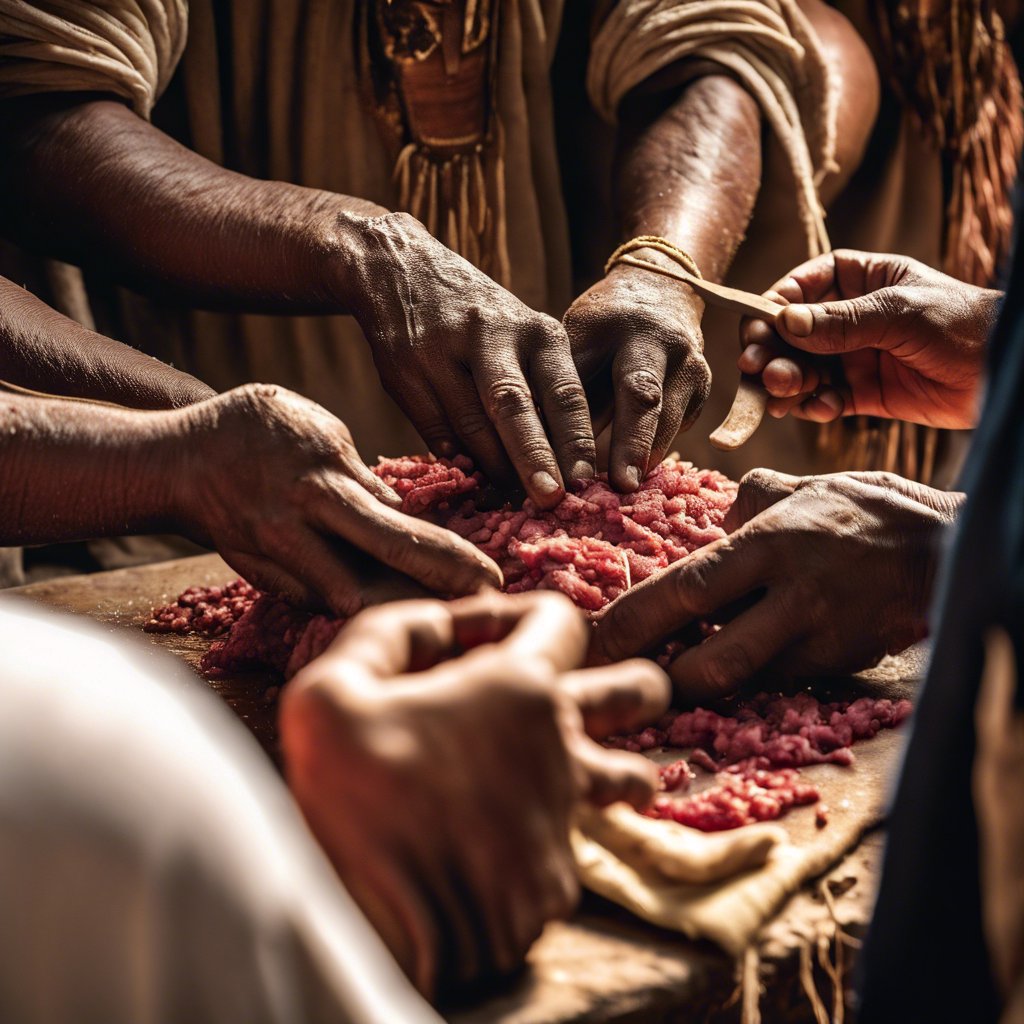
(126, 47)
(153, 867)
(768, 45)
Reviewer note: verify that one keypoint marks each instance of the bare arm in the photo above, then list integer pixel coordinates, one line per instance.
(45, 351)
(689, 167)
(72, 471)
(468, 362)
(87, 180)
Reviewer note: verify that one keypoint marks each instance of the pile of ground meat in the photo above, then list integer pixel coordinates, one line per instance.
(592, 547)
(754, 753)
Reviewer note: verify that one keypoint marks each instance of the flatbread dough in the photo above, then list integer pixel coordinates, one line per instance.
(726, 885)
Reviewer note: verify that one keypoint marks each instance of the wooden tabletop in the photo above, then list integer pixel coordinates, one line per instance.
(603, 965)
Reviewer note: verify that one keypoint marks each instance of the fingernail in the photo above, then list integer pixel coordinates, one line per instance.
(445, 449)
(798, 320)
(831, 401)
(582, 471)
(632, 477)
(544, 483)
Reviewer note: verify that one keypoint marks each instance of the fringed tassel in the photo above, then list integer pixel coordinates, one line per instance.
(979, 214)
(461, 200)
(750, 986)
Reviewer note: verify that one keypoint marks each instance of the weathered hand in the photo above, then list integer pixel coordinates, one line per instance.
(636, 339)
(442, 790)
(874, 335)
(274, 483)
(469, 363)
(822, 574)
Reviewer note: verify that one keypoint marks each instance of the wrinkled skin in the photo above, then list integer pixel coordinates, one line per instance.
(821, 574)
(638, 346)
(875, 335)
(275, 484)
(470, 364)
(441, 784)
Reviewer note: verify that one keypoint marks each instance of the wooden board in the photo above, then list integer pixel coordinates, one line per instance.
(603, 965)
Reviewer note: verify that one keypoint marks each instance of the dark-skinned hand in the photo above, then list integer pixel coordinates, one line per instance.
(476, 370)
(442, 784)
(637, 341)
(820, 575)
(875, 335)
(275, 484)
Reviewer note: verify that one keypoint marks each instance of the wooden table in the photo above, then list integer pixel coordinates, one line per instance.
(603, 965)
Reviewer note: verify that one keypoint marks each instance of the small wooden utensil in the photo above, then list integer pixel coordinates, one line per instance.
(748, 407)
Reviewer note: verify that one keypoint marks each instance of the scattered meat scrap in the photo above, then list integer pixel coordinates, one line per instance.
(754, 754)
(742, 794)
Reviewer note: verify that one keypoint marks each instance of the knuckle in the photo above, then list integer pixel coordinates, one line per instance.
(470, 422)
(508, 399)
(567, 396)
(642, 388)
(729, 666)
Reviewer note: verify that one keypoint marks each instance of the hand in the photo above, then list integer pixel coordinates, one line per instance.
(442, 790)
(884, 336)
(274, 483)
(636, 339)
(469, 363)
(823, 575)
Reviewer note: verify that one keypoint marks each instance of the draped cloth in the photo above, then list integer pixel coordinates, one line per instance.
(126, 47)
(768, 45)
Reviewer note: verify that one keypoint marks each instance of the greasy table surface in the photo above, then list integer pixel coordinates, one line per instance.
(602, 965)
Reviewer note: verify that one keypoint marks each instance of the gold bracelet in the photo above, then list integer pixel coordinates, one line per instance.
(659, 244)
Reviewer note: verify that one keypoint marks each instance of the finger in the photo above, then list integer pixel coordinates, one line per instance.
(696, 388)
(718, 666)
(811, 281)
(389, 640)
(683, 386)
(436, 558)
(421, 405)
(614, 775)
(694, 587)
(832, 328)
(755, 357)
(638, 374)
(554, 379)
(476, 433)
(759, 489)
(363, 475)
(825, 406)
(784, 377)
(270, 577)
(541, 626)
(510, 404)
(778, 408)
(618, 698)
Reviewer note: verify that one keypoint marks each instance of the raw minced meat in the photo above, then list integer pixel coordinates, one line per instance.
(592, 546)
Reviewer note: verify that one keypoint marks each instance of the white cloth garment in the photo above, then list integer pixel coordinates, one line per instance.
(153, 867)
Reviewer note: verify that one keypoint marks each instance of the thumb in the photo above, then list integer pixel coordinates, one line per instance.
(759, 490)
(832, 328)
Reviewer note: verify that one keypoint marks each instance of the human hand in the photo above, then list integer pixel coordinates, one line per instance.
(636, 339)
(821, 575)
(441, 784)
(469, 363)
(873, 335)
(275, 484)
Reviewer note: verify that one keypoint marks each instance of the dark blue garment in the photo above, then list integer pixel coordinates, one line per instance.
(925, 959)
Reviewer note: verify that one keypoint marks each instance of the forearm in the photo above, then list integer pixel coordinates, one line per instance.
(71, 471)
(91, 182)
(45, 351)
(692, 171)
